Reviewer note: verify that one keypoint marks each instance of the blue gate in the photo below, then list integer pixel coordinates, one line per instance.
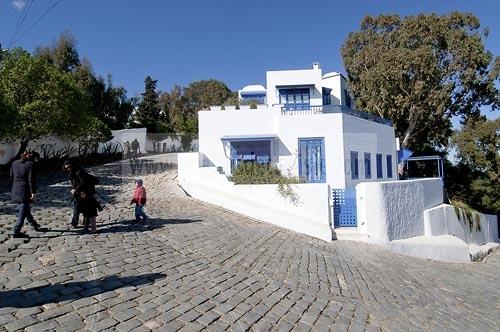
(344, 207)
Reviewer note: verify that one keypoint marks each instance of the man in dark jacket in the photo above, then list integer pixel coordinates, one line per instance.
(24, 191)
(80, 181)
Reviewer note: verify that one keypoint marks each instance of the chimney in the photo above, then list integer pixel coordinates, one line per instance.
(315, 65)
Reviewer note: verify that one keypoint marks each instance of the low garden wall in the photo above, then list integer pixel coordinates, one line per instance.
(472, 228)
(306, 211)
(394, 210)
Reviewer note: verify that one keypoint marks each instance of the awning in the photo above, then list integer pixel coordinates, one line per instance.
(248, 138)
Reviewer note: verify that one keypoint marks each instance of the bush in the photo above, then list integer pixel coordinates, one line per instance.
(251, 173)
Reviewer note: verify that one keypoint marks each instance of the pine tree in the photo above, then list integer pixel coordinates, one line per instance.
(149, 111)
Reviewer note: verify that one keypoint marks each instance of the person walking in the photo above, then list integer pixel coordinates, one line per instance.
(89, 206)
(80, 181)
(23, 176)
(139, 199)
(136, 148)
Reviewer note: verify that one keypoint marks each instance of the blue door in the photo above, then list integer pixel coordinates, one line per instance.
(312, 160)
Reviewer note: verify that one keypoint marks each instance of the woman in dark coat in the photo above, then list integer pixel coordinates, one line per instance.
(24, 190)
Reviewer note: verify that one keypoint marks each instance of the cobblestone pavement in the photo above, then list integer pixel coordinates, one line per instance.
(197, 267)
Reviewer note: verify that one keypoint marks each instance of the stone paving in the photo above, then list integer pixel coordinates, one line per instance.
(198, 267)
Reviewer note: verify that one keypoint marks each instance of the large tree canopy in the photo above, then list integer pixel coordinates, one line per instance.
(205, 93)
(43, 101)
(419, 71)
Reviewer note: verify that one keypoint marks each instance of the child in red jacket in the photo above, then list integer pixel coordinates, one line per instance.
(139, 199)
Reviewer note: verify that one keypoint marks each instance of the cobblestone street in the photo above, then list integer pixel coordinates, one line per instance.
(196, 267)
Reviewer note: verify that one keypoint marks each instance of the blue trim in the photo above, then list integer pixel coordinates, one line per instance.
(354, 165)
(368, 165)
(389, 166)
(344, 207)
(312, 165)
(379, 166)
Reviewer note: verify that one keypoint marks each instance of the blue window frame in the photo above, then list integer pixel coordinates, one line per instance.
(379, 166)
(368, 165)
(259, 98)
(348, 100)
(354, 165)
(312, 160)
(327, 97)
(389, 166)
(293, 99)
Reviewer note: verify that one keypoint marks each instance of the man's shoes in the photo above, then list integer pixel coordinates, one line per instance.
(20, 235)
(38, 228)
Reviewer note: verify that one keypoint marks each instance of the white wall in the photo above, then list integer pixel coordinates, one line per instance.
(327, 126)
(123, 135)
(297, 78)
(48, 144)
(394, 210)
(443, 220)
(213, 125)
(362, 136)
(309, 215)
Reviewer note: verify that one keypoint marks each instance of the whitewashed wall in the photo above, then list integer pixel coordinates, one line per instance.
(310, 215)
(213, 125)
(327, 126)
(306, 78)
(394, 210)
(362, 136)
(443, 220)
(47, 144)
(124, 135)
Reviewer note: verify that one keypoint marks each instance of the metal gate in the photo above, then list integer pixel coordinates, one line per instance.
(344, 207)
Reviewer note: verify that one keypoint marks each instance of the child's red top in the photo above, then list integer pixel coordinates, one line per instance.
(139, 195)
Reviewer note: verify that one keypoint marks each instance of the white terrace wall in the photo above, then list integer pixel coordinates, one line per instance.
(443, 220)
(394, 210)
(310, 215)
(47, 145)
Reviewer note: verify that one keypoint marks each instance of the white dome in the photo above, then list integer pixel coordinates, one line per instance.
(331, 74)
(253, 88)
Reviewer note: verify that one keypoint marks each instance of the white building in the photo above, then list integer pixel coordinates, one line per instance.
(303, 124)
(306, 127)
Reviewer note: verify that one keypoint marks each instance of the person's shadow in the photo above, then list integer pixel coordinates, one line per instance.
(37, 296)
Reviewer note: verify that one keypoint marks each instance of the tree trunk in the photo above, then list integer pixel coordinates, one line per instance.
(22, 149)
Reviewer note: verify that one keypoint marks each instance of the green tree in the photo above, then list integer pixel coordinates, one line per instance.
(149, 113)
(43, 101)
(478, 150)
(174, 106)
(62, 53)
(420, 71)
(202, 94)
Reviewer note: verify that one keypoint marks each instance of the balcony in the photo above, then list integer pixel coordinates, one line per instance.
(295, 109)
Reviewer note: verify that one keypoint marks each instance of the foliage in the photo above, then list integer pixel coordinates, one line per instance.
(44, 100)
(477, 146)
(108, 103)
(149, 112)
(205, 93)
(252, 173)
(420, 71)
(62, 53)
(467, 215)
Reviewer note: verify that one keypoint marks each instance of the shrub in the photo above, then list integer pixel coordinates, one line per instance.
(251, 173)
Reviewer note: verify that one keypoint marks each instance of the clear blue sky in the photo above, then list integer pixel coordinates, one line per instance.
(178, 42)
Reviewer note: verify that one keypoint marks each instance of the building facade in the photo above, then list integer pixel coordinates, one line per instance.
(303, 123)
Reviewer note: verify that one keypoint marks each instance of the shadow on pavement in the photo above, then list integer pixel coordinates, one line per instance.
(133, 226)
(37, 296)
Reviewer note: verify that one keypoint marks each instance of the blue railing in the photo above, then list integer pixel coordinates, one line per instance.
(324, 109)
